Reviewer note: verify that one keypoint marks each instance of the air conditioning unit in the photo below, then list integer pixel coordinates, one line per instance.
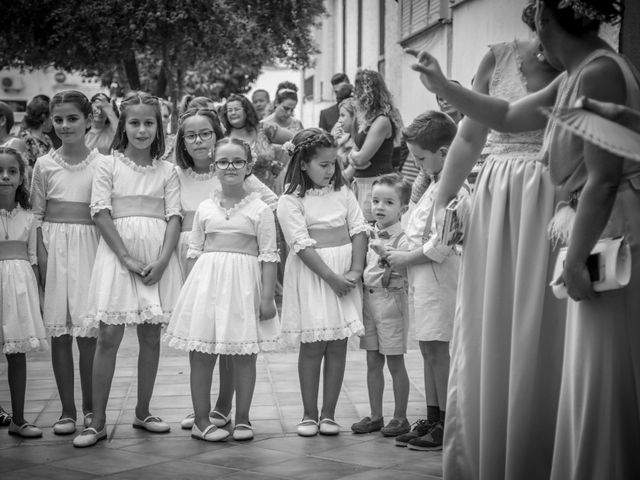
(11, 83)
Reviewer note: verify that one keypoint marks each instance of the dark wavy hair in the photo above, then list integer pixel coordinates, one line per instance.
(529, 15)
(573, 20)
(22, 193)
(7, 114)
(374, 99)
(307, 143)
(37, 112)
(249, 110)
(183, 159)
(120, 140)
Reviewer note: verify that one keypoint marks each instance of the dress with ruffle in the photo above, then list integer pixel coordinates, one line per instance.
(21, 328)
(197, 187)
(218, 311)
(116, 295)
(71, 247)
(311, 311)
(506, 348)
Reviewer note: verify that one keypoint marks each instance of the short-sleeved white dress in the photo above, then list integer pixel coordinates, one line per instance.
(71, 242)
(197, 187)
(311, 311)
(21, 328)
(140, 200)
(218, 311)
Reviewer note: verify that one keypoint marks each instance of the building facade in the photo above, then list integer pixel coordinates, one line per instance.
(373, 34)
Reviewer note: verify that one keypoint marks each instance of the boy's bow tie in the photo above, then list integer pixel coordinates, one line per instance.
(384, 235)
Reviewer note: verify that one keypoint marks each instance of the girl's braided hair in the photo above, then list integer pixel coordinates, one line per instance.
(303, 148)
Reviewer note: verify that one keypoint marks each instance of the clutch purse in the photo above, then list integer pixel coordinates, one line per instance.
(609, 266)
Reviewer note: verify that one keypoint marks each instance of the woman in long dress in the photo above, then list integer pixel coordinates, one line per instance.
(598, 421)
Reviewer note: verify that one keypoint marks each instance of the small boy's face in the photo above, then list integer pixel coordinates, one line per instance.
(386, 206)
(430, 162)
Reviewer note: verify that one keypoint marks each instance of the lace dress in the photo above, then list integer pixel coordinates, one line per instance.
(21, 328)
(598, 431)
(507, 339)
(117, 296)
(198, 187)
(218, 311)
(311, 311)
(71, 245)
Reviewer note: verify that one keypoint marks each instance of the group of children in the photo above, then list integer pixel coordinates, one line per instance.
(192, 247)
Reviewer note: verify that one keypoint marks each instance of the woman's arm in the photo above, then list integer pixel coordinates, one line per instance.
(379, 131)
(280, 135)
(602, 80)
(468, 143)
(522, 115)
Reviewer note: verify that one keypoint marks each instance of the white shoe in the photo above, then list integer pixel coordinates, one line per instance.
(89, 437)
(26, 430)
(243, 431)
(328, 426)
(187, 422)
(64, 426)
(210, 434)
(218, 419)
(152, 424)
(307, 428)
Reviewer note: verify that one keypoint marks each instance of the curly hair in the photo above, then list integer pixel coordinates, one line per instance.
(22, 193)
(580, 17)
(37, 112)
(306, 143)
(120, 140)
(373, 99)
(249, 110)
(183, 159)
(528, 16)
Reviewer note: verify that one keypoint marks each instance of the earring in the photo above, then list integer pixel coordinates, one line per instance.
(540, 55)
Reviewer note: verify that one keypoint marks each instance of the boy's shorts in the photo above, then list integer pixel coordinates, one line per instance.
(386, 320)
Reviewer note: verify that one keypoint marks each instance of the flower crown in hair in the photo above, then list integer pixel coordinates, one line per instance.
(581, 9)
(292, 148)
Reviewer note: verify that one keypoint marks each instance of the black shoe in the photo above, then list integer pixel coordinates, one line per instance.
(429, 441)
(420, 428)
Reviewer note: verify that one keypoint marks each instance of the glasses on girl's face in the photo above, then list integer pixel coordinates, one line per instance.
(226, 164)
(204, 136)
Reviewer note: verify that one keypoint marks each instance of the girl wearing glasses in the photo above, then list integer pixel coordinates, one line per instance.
(226, 306)
(136, 278)
(196, 138)
(240, 120)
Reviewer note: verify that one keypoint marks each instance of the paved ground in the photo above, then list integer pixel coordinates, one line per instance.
(276, 452)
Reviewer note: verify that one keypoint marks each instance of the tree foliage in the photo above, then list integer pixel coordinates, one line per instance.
(207, 46)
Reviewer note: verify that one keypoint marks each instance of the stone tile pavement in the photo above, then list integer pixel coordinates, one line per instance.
(275, 453)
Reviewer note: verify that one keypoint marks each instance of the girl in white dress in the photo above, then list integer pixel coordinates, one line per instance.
(226, 305)
(135, 203)
(322, 303)
(198, 132)
(67, 243)
(21, 328)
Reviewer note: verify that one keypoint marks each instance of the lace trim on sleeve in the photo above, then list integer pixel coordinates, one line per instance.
(303, 243)
(170, 212)
(99, 206)
(359, 228)
(269, 256)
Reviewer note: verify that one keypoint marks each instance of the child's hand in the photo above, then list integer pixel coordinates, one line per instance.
(353, 277)
(340, 284)
(152, 273)
(132, 264)
(267, 308)
(398, 259)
